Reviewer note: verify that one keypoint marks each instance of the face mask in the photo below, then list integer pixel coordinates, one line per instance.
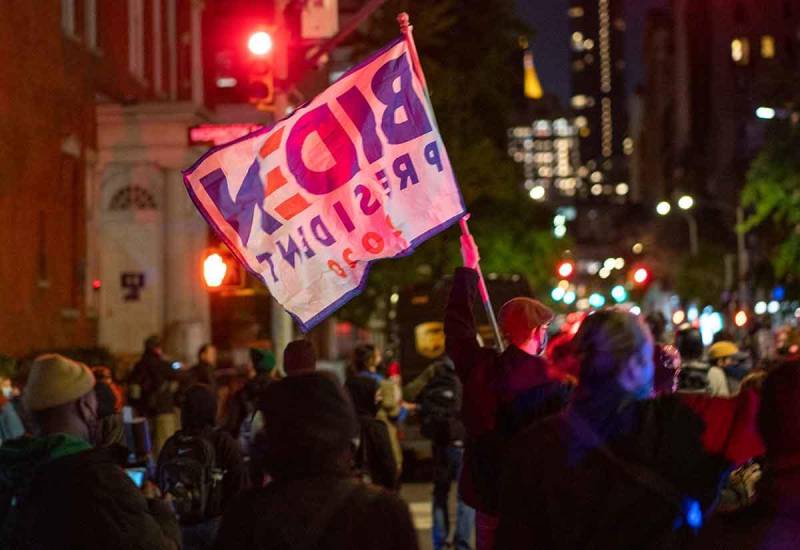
(543, 343)
(8, 391)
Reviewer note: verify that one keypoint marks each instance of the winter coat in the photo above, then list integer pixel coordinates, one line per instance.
(157, 382)
(561, 491)
(502, 393)
(69, 496)
(339, 514)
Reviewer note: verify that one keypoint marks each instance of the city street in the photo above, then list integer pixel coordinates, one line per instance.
(418, 497)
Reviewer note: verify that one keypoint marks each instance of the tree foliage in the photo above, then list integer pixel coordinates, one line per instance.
(772, 192)
(472, 62)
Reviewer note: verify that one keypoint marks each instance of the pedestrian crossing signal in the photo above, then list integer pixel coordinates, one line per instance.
(221, 270)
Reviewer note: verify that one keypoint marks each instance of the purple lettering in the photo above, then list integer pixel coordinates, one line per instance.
(344, 217)
(309, 252)
(320, 231)
(267, 257)
(404, 169)
(355, 105)
(290, 251)
(336, 140)
(366, 207)
(432, 156)
(415, 121)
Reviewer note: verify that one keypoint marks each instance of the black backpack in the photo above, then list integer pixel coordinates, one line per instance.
(693, 377)
(440, 406)
(187, 471)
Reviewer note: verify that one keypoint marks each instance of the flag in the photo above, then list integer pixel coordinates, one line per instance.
(358, 174)
(533, 88)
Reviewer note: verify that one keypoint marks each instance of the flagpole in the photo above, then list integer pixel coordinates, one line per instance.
(487, 302)
(406, 28)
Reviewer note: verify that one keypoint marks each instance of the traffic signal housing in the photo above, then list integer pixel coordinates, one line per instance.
(261, 71)
(222, 271)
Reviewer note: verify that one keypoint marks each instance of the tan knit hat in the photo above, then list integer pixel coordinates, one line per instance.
(55, 380)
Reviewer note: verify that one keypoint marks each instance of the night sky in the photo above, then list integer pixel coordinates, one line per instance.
(551, 41)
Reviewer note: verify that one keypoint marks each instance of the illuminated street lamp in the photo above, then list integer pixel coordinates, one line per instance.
(685, 202)
(765, 113)
(663, 208)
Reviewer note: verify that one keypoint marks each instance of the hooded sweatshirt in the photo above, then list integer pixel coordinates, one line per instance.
(53, 487)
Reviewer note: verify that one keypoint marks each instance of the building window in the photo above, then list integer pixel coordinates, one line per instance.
(68, 17)
(132, 197)
(575, 11)
(740, 51)
(136, 37)
(767, 46)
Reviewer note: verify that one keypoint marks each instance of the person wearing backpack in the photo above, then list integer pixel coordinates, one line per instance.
(312, 501)
(201, 469)
(503, 392)
(58, 490)
(439, 409)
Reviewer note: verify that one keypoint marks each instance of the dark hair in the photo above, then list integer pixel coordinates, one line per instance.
(199, 409)
(605, 342)
(689, 343)
(657, 323)
(204, 348)
(152, 342)
(361, 357)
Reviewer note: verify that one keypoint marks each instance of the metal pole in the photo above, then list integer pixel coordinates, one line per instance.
(693, 244)
(487, 302)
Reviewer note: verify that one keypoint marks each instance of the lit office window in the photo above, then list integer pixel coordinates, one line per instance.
(740, 51)
(767, 46)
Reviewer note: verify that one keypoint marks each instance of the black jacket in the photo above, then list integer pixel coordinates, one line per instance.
(374, 454)
(155, 377)
(84, 501)
(502, 393)
(562, 492)
(284, 514)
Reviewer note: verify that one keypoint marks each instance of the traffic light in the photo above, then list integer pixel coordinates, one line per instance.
(222, 271)
(565, 269)
(640, 275)
(261, 72)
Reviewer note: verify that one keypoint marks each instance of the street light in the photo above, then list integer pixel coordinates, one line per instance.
(685, 202)
(765, 113)
(663, 208)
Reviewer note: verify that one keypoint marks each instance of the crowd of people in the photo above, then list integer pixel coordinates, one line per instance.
(614, 434)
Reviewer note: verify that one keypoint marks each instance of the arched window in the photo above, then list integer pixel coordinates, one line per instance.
(132, 197)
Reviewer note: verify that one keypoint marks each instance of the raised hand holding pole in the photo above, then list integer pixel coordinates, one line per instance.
(469, 251)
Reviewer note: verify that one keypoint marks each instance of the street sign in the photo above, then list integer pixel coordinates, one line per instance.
(217, 134)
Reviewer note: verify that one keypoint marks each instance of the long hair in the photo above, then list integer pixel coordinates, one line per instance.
(605, 342)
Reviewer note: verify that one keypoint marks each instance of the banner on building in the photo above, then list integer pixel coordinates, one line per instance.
(357, 174)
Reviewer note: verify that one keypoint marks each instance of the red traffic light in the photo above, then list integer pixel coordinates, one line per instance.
(641, 275)
(221, 270)
(565, 269)
(260, 43)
